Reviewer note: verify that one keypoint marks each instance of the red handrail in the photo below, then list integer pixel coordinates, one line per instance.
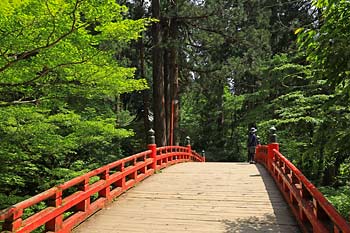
(312, 210)
(75, 197)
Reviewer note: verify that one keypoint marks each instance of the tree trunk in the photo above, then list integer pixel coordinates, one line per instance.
(174, 78)
(139, 14)
(175, 107)
(158, 78)
(145, 93)
(220, 117)
(167, 94)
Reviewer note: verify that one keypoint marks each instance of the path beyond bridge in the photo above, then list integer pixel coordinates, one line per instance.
(198, 197)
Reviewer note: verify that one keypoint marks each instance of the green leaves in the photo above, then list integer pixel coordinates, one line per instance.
(46, 38)
(59, 85)
(339, 197)
(327, 46)
(8, 7)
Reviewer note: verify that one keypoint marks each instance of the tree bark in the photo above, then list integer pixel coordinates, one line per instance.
(167, 89)
(145, 93)
(220, 117)
(158, 78)
(140, 13)
(174, 77)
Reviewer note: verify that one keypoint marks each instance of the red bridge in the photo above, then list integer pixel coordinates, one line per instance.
(187, 197)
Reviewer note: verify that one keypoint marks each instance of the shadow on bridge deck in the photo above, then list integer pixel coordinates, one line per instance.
(280, 220)
(198, 197)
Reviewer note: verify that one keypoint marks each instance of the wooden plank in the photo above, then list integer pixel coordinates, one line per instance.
(198, 197)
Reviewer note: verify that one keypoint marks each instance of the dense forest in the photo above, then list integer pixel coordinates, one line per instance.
(82, 81)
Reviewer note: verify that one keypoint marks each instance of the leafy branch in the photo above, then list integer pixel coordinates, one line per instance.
(41, 74)
(35, 51)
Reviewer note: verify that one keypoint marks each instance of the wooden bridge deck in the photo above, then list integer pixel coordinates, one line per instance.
(198, 198)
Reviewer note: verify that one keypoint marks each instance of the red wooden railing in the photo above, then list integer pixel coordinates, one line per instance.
(311, 209)
(71, 203)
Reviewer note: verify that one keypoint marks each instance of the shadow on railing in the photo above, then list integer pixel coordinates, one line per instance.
(311, 209)
(71, 203)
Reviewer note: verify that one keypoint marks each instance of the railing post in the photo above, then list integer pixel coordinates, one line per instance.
(188, 145)
(273, 145)
(153, 147)
(56, 223)
(14, 222)
(106, 191)
(203, 155)
(85, 204)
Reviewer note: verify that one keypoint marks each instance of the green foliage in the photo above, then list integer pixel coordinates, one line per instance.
(58, 42)
(339, 197)
(7, 7)
(59, 85)
(221, 58)
(327, 46)
(326, 49)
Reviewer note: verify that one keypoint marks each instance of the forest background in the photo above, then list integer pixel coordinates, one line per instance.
(82, 82)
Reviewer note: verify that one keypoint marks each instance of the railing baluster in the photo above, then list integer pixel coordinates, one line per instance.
(143, 170)
(302, 216)
(106, 191)
(336, 229)
(14, 221)
(121, 182)
(134, 175)
(85, 204)
(56, 223)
